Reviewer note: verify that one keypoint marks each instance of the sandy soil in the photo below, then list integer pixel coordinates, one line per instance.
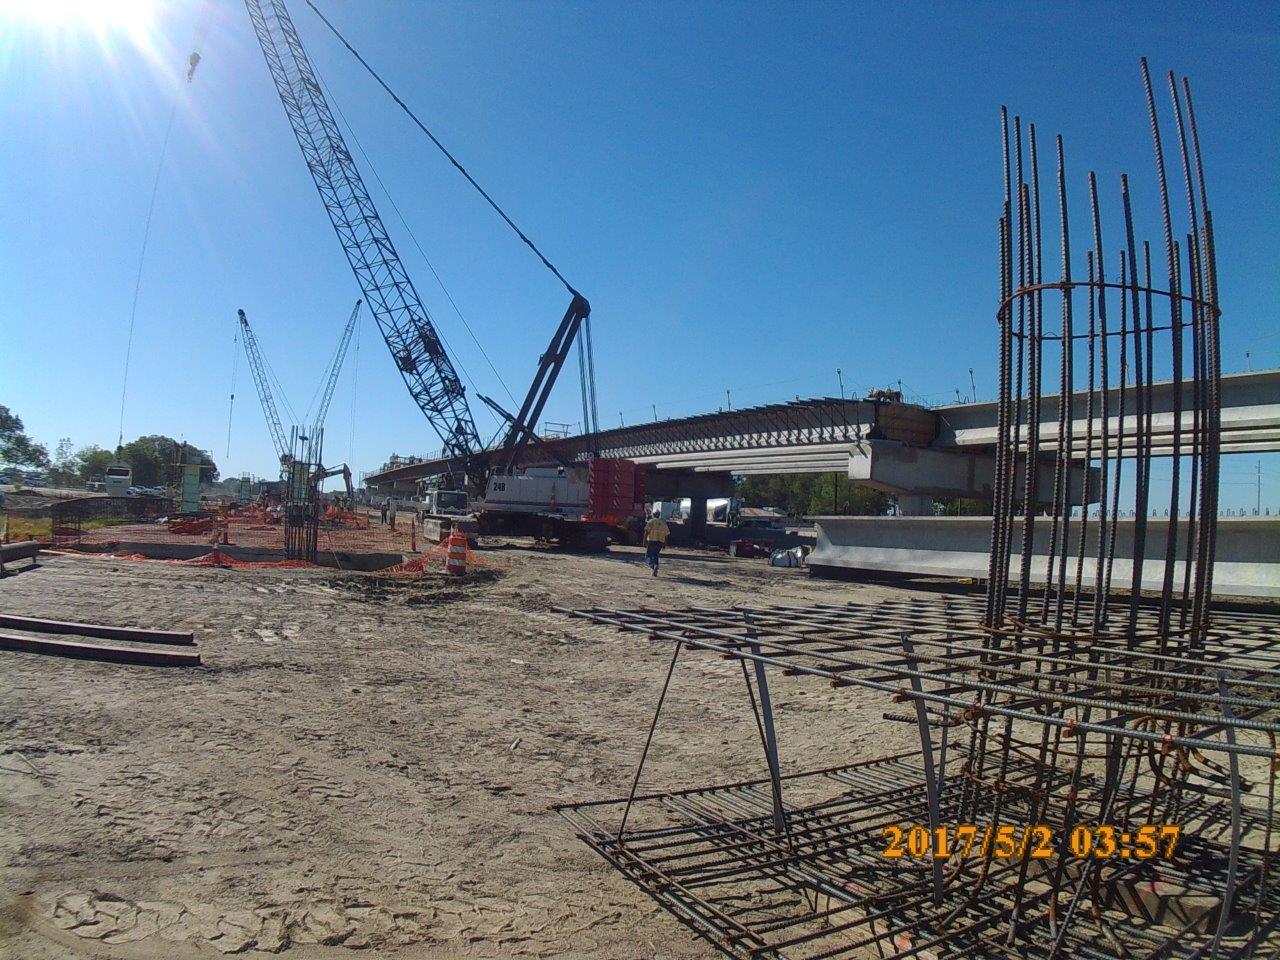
(365, 763)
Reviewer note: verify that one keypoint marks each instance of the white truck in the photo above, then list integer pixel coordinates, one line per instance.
(444, 511)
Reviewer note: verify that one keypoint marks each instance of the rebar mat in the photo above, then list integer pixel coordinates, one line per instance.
(823, 888)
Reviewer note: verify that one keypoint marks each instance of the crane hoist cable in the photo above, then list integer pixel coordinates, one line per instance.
(235, 362)
(202, 24)
(142, 258)
(413, 237)
(443, 149)
(521, 430)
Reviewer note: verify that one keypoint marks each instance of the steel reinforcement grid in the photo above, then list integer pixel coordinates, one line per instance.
(1097, 768)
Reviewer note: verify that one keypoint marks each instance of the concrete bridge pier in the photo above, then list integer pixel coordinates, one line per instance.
(698, 486)
(698, 519)
(915, 505)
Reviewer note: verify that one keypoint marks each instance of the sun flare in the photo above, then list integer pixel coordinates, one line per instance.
(135, 19)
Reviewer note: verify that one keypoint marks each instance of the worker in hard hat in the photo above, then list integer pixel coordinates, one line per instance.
(656, 533)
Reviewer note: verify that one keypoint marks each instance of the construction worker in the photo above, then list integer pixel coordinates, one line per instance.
(656, 533)
(383, 512)
(391, 512)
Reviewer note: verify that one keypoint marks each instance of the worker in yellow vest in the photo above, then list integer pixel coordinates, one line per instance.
(656, 533)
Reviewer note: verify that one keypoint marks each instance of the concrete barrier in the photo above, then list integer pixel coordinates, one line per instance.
(720, 535)
(1247, 562)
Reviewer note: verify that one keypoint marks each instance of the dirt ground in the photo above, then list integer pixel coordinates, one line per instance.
(367, 763)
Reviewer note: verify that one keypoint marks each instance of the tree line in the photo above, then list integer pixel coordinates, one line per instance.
(155, 459)
(814, 494)
(833, 495)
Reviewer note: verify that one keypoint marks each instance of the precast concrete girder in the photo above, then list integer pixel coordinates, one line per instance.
(886, 465)
(1246, 563)
(1250, 418)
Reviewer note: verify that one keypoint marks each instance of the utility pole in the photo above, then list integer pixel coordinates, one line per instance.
(840, 378)
(728, 399)
(1248, 361)
(973, 386)
(655, 412)
(620, 421)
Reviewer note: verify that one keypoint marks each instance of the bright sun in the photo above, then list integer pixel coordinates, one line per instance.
(135, 18)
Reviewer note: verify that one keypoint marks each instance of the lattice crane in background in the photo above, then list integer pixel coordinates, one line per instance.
(335, 367)
(403, 320)
(262, 381)
(259, 369)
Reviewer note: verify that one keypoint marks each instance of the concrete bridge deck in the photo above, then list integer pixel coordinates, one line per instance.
(899, 447)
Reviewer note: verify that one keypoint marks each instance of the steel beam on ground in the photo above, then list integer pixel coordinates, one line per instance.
(96, 651)
(102, 631)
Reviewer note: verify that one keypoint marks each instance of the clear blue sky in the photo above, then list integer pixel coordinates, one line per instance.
(751, 196)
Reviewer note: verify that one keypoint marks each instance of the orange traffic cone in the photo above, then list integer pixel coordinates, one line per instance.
(455, 554)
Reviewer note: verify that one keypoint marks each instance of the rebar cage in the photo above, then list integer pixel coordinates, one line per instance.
(1081, 703)
(301, 506)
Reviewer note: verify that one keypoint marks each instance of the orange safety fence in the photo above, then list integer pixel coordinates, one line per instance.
(334, 541)
(340, 531)
(206, 560)
(433, 556)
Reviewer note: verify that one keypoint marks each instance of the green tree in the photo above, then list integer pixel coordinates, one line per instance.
(962, 507)
(91, 462)
(813, 494)
(63, 471)
(15, 446)
(155, 460)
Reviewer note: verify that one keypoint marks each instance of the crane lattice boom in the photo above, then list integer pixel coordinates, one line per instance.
(404, 322)
(259, 370)
(335, 367)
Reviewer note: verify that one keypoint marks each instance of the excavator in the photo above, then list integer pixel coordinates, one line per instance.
(342, 470)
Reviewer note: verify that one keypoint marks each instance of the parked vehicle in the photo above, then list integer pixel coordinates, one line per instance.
(583, 506)
(443, 512)
(118, 479)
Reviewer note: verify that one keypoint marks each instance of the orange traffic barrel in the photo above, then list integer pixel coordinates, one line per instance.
(455, 554)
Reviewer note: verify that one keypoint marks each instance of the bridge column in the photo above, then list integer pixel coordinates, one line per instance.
(698, 519)
(915, 505)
